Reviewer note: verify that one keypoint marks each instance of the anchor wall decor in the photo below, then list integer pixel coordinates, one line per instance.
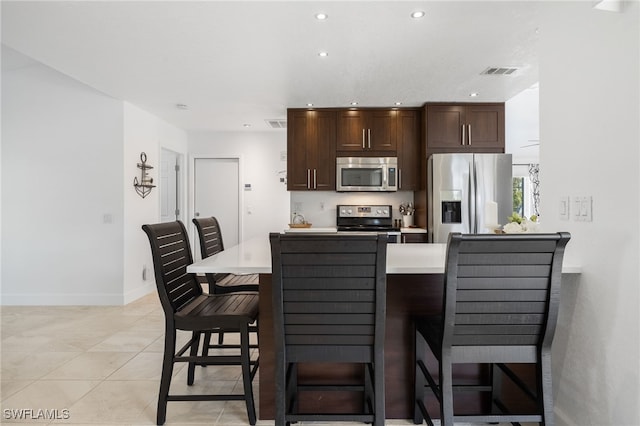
(145, 185)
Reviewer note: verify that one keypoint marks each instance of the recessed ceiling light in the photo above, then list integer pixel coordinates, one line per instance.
(323, 54)
(182, 106)
(321, 16)
(398, 103)
(309, 104)
(246, 125)
(354, 103)
(417, 14)
(474, 94)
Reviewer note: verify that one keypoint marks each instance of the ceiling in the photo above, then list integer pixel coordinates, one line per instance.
(237, 63)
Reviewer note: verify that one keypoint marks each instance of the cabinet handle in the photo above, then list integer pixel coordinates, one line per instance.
(369, 137)
(308, 178)
(363, 139)
(469, 134)
(462, 139)
(315, 182)
(399, 178)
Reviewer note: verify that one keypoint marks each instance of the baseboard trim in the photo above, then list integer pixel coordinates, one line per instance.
(60, 299)
(562, 418)
(139, 292)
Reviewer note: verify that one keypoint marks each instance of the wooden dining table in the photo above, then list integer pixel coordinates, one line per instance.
(414, 288)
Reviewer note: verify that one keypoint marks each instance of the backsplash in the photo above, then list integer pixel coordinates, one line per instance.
(319, 207)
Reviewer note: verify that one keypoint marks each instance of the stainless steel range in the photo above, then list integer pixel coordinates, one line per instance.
(367, 218)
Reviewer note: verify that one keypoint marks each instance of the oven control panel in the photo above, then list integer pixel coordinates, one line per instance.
(377, 211)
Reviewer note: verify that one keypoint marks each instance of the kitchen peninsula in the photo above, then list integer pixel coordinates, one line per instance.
(414, 283)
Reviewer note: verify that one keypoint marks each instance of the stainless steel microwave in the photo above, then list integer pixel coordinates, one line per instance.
(367, 174)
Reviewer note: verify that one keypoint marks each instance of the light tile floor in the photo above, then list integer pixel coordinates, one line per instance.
(95, 365)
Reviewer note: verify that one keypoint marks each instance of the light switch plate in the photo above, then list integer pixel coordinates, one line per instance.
(564, 208)
(582, 209)
(586, 209)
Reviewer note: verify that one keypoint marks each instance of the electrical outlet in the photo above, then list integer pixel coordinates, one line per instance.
(321, 206)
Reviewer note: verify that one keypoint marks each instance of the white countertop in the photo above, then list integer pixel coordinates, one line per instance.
(331, 229)
(254, 256)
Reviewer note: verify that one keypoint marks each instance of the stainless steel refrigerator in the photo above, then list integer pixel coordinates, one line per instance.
(468, 193)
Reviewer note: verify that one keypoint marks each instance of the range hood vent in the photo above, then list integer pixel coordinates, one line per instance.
(277, 123)
(499, 71)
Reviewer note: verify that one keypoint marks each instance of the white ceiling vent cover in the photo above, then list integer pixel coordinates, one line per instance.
(499, 71)
(277, 123)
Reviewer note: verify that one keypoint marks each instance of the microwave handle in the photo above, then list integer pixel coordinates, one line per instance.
(399, 178)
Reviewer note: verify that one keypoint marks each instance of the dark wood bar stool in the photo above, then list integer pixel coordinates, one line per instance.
(500, 307)
(187, 308)
(329, 299)
(210, 237)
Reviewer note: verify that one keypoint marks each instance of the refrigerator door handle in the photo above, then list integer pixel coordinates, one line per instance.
(473, 193)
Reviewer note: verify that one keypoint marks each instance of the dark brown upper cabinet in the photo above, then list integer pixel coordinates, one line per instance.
(311, 150)
(365, 131)
(470, 127)
(408, 143)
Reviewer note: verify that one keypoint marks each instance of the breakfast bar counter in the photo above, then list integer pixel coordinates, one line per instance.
(414, 287)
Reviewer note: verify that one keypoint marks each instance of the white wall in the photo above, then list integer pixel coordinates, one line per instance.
(62, 172)
(266, 206)
(71, 219)
(589, 129)
(146, 133)
(522, 126)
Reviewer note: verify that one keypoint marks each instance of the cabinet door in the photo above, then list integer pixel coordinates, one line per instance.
(408, 150)
(351, 131)
(325, 151)
(299, 126)
(485, 126)
(414, 237)
(381, 130)
(444, 126)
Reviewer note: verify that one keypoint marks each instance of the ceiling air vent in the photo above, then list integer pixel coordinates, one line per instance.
(499, 71)
(277, 124)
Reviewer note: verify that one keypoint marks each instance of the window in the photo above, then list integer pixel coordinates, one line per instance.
(526, 189)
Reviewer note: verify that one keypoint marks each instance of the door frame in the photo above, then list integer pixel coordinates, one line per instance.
(193, 235)
(181, 185)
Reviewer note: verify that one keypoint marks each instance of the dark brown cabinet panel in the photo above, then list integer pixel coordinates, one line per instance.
(410, 237)
(311, 150)
(361, 130)
(465, 127)
(408, 144)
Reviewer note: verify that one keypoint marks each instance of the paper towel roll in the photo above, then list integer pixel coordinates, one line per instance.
(491, 214)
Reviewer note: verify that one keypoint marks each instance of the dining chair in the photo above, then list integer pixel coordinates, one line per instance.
(500, 306)
(210, 237)
(211, 243)
(186, 307)
(329, 301)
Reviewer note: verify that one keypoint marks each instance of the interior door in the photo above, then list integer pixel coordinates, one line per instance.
(217, 193)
